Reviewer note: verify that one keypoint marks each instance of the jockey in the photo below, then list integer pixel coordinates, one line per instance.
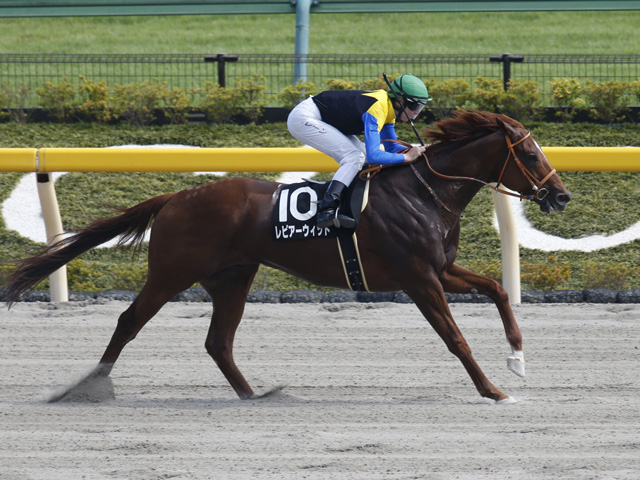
(330, 121)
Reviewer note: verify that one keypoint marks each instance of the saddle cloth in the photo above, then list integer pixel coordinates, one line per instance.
(296, 208)
(294, 218)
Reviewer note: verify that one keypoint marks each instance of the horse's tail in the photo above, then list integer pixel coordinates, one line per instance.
(131, 225)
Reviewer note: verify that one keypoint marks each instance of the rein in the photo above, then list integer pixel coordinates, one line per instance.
(540, 193)
(368, 173)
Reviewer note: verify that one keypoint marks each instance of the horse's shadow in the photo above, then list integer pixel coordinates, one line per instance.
(99, 390)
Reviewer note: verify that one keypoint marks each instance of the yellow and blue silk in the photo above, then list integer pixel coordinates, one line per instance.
(356, 112)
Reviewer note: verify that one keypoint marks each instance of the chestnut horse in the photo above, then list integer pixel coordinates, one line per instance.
(218, 235)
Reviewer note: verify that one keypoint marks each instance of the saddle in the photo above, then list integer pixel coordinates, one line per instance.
(294, 218)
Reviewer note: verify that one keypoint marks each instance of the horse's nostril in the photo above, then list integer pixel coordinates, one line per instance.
(563, 198)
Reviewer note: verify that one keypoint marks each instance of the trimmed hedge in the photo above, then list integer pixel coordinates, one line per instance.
(152, 102)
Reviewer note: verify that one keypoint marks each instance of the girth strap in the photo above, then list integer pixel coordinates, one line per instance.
(350, 256)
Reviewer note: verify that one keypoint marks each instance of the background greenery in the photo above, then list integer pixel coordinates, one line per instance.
(603, 202)
(599, 32)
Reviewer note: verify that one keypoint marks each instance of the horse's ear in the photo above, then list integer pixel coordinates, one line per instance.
(504, 125)
(501, 123)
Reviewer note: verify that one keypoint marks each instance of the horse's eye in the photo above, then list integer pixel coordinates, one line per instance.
(531, 158)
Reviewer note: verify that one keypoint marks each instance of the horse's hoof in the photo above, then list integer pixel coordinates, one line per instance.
(506, 401)
(515, 363)
(274, 391)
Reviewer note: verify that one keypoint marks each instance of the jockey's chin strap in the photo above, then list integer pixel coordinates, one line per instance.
(539, 193)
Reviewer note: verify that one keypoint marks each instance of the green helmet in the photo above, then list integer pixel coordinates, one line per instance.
(410, 88)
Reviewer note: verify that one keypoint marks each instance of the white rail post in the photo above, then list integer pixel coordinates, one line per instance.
(510, 246)
(53, 228)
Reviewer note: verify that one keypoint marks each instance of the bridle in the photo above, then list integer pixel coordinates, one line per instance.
(539, 193)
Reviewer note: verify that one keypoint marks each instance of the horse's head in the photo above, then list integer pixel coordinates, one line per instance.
(528, 172)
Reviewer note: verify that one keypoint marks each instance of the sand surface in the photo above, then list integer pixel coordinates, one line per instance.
(371, 393)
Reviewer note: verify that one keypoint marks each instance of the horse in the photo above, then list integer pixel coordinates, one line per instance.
(219, 233)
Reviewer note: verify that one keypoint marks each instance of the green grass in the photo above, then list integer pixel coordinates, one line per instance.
(603, 202)
(605, 32)
(421, 33)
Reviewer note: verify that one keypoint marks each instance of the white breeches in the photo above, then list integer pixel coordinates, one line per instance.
(305, 123)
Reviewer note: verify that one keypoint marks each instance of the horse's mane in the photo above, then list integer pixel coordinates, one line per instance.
(467, 125)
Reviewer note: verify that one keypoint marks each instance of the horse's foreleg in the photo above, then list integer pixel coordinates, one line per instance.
(432, 303)
(457, 279)
(228, 290)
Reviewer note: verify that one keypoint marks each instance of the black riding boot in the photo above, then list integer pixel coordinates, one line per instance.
(327, 210)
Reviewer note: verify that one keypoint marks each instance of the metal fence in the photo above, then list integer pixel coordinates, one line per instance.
(188, 71)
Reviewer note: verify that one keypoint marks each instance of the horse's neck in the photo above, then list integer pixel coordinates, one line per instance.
(453, 195)
(475, 161)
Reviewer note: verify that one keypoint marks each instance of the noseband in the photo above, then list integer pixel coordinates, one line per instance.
(539, 193)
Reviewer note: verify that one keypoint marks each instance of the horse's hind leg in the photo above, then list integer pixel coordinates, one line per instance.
(229, 290)
(130, 322)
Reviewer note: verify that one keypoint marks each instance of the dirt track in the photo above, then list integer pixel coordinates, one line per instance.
(371, 393)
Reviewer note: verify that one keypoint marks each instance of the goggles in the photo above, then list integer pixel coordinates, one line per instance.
(415, 107)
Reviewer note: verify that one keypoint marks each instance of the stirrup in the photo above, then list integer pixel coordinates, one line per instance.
(327, 218)
(345, 221)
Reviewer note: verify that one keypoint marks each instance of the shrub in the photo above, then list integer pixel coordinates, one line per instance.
(18, 99)
(292, 95)
(218, 103)
(251, 95)
(447, 94)
(178, 106)
(607, 100)
(81, 276)
(521, 101)
(128, 277)
(487, 94)
(565, 93)
(614, 276)
(634, 89)
(58, 100)
(340, 84)
(377, 83)
(544, 276)
(94, 277)
(491, 270)
(94, 100)
(5, 102)
(137, 102)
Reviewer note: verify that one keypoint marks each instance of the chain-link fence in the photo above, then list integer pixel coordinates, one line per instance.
(188, 71)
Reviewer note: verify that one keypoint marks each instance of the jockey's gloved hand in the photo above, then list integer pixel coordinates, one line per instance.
(414, 153)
